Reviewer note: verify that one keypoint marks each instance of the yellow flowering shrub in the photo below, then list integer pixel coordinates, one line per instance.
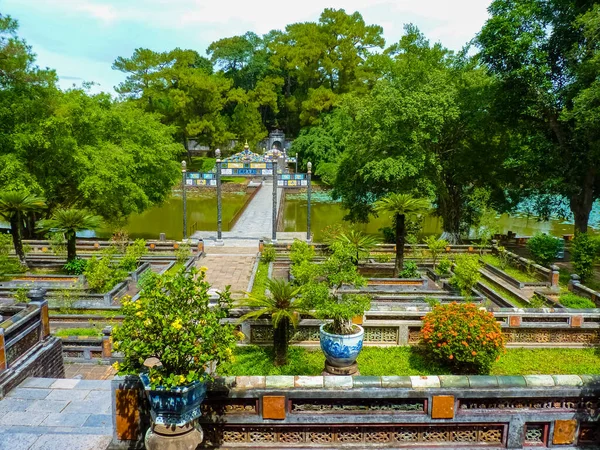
(172, 321)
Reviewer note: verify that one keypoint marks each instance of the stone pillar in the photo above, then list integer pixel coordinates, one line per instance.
(3, 362)
(554, 277)
(183, 183)
(219, 203)
(38, 295)
(261, 245)
(200, 245)
(106, 343)
(274, 233)
(308, 194)
(574, 281)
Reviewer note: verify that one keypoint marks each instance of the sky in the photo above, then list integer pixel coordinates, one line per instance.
(80, 39)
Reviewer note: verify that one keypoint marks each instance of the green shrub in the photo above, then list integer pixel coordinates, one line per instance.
(389, 235)
(444, 266)
(584, 254)
(301, 251)
(383, 257)
(133, 254)
(436, 247)
(102, 274)
(462, 337)
(8, 265)
(183, 253)
(21, 294)
(5, 244)
(543, 248)
(410, 270)
(503, 257)
(466, 273)
(58, 243)
(576, 302)
(75, 267)
(268, 254)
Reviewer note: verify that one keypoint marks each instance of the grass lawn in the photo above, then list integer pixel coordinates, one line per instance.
(236, 180)
(92, 331)
(516, 301)
(374, 361)
(260, 279)
(517, 274)
(88, 312)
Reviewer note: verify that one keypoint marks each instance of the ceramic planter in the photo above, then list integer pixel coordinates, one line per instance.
(177, 406)
(341, 350)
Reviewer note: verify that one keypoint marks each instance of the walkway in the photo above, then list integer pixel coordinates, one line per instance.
(61, 414)
(229, 266)
(525, 293)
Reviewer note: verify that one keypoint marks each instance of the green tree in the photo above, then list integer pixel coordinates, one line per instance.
(13, 207)
(399, 206)
(360, 243)
(283, 305)
(545, 56)
(69, 222)
(436, 247)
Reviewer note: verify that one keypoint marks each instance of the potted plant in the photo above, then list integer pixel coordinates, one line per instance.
(173, 324)
(341, 340)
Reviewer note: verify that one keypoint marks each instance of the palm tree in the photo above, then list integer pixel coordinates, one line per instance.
(283, 306)
(13, 207)
(360, 242)
(69, 222)
(399, 206)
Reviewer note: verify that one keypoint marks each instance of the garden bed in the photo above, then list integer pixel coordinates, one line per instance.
(391, 361)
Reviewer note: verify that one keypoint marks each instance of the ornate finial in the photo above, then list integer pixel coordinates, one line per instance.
(246, 146)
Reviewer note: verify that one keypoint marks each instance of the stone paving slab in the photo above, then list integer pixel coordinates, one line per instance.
(57, 414)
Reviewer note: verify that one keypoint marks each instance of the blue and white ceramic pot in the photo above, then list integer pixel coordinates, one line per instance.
(341, 350)
(178, 406)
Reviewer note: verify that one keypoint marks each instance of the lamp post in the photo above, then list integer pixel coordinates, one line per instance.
(183, 183)
(274, 233)
(296, 162)
(308, 172)
(219, 206)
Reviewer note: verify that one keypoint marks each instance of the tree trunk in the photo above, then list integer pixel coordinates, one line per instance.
(582, 202)
(281, 336)
(450, 209)
(400, 239)
(71, 246)
(15, 230)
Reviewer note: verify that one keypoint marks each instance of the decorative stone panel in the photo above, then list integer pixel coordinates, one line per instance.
(564, 432)
(442, 407)
(273, 407)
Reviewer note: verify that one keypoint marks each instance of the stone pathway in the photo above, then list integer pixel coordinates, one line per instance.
(524, 294)
(57, 414)
(258, 215)
(87, 371)
(229, 266)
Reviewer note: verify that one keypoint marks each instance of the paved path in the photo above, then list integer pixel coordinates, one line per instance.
(89, 371)
(229, 266)
(56, 414)
(258, 215)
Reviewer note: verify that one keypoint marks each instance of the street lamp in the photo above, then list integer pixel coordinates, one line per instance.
(274, 232)
(183, 182)
(219, 206)
(308, 167)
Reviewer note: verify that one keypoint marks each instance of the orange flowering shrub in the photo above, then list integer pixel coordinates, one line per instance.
(462, 336)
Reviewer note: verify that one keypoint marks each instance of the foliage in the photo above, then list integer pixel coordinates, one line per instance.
(268, 254)
(584, 254)
(21, 294)
(173, 321)
(76, 266)
(543, 248)
(503, 257)
(466, 273)
(569, 300)
(283, 306)
(57, 243)
(102, 274)
(383, 257)
(66, 298)
(463, 337)
(389, 235)
(69, 222)
(436, 247)
(260, 280)
(320, 284)
(411, 270)
(66, 332)
(400, 207)
(360, 243)
(133, 255)
(444, 266)
(301, 252)
(183, 253)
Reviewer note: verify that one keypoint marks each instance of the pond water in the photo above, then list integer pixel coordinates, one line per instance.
(168, 217)
(325, 213)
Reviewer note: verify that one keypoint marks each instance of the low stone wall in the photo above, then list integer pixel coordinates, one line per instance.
(382, 412)
(26, 347)
(576, 287)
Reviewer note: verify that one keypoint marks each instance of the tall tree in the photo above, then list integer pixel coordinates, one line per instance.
(69, 222)
(543, 53)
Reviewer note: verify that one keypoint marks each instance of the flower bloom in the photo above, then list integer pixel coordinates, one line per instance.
(177, 324)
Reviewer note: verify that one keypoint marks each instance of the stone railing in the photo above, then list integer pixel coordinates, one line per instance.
(576, 287)
(26, 347)
(522, 327)
(392, 412)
